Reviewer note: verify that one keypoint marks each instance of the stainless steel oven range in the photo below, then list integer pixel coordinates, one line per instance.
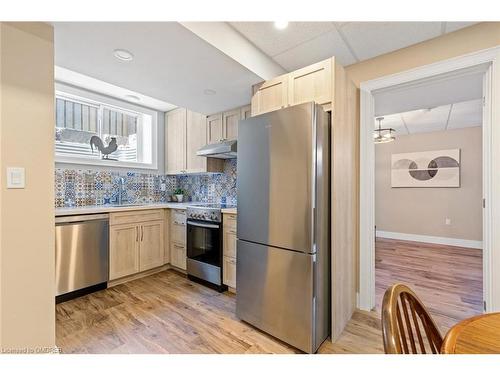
(204, 244)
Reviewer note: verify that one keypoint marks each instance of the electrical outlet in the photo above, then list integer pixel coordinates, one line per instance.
(163, 186)
(447, 221)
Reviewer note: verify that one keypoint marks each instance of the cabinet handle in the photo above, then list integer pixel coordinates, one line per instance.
(142, 233)
(232, 231)
(137, 234)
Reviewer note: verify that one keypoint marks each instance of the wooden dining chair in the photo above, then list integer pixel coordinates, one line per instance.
(407, 327)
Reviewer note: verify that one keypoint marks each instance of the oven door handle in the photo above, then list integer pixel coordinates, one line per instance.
(203, 225)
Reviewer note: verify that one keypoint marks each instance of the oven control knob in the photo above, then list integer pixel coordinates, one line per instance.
(213, 216)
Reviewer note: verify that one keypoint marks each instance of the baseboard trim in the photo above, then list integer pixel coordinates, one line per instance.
(471, 244)
(139, 275)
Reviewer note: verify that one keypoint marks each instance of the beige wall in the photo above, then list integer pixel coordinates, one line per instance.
(27, 316)
(474, 38)
(423, 211)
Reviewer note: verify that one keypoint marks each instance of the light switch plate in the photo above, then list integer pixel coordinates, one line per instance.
(15, 178)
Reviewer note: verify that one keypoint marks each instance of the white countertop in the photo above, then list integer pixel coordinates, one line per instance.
(108, 208)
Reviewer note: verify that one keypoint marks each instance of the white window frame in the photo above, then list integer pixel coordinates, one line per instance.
(101, 104)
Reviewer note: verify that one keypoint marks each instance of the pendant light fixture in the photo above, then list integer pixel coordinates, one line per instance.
(383, 135)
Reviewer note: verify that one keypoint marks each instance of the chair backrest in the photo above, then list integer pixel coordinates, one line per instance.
(407, 327)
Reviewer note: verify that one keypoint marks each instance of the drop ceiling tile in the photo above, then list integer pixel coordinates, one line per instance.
(466, 114)
(454, 26)
(273, 41)
(425, 120)
(322, 47)
(370, 39)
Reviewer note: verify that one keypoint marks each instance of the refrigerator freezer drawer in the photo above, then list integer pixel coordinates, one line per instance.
(276, 293)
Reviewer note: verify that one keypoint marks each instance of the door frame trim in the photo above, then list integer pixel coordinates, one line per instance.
(491, 163)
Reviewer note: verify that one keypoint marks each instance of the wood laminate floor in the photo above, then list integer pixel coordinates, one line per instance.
(448, 279)
(167, 313)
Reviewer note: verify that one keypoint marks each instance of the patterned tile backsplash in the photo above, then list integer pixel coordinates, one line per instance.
(76, 188)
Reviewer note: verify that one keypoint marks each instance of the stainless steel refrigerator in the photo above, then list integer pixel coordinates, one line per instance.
(283, 245)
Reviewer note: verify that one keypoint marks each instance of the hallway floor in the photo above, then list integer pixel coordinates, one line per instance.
(448, 279)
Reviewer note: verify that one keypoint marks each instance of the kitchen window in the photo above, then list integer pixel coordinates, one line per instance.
(78, 119)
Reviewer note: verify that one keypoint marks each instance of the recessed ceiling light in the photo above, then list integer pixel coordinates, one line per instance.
(132, 98)
(123, 54)
(209, 92)
(280, 25)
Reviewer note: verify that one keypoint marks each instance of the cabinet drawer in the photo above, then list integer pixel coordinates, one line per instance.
(178, 217)
(229, 243)
(229, 272)
(178, 255)
(178, 233)
(132, 217)
(230, 221)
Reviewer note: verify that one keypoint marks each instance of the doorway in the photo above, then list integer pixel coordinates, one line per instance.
(485, 63)
(428, 197)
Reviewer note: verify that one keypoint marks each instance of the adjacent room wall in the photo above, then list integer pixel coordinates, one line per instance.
(423, 211)
(27, 289)
(471, 39)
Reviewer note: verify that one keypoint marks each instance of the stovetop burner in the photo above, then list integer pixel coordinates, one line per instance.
(219, 206)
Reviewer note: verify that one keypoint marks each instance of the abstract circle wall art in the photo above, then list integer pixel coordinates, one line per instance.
(439, 168)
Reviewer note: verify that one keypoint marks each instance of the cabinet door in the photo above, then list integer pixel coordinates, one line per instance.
(196, 138)
(166, 238)
(178, 255)
(175, 141)
(230, 121)
(312, 83)
(178, 233)
(270, 95)
(151, 248)
(123, 250)
(214, 128)
(229, 243)
(229, 272)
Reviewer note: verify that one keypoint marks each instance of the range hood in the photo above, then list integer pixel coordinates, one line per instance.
(225, 149)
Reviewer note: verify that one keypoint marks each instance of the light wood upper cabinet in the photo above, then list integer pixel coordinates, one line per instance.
(245, 112)
(312, 83)
(196, 133)
(175, 141)
(270, 95)
(230, 121)
(152, 247)
(123, 250)
(214, 128)
(186, 133)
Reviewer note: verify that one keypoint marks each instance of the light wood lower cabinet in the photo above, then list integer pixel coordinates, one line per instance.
(178, 255)
(151, 246)
(123, 250)
(178, 238)
(229, 272)
(137, 245)
(229, 250)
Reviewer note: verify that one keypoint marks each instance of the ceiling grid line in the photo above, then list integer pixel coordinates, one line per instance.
(303, 42)
(405, 125)
(346, 42)
(448, 119)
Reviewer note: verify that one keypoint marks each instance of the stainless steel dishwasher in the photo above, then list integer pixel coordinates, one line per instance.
(82, 255)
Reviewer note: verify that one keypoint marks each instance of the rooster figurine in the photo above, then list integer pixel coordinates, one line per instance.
(99, 144)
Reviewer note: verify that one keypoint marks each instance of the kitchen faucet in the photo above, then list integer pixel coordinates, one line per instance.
(121, 191)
